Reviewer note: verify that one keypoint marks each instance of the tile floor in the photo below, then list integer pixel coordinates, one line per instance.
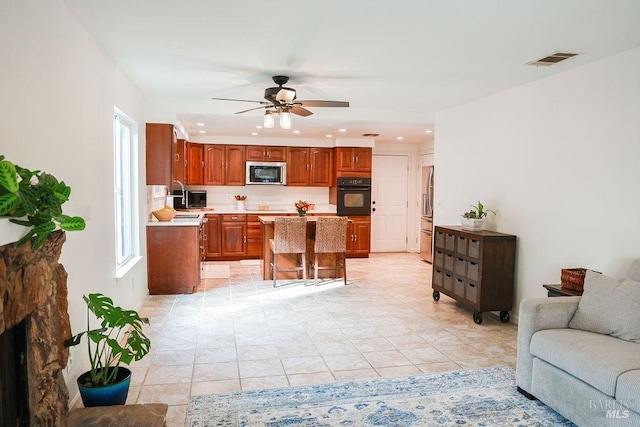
(240, 333)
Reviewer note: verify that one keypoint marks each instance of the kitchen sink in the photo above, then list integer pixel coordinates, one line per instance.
(186, 216)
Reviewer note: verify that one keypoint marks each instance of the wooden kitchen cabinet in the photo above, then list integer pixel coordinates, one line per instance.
(263, 153)
(180, 161)
(233, 232)
(253, 247)
(476, 268)
(223, 164)
(195, 164)
(359, 237)
(310, 167)
(212, 239)
(353, 159)
(161, 141)
(173, 259)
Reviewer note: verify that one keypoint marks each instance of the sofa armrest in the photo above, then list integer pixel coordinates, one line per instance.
(536, 314)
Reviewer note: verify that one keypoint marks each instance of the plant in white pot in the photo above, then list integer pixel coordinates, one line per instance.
(118, 340)
(474, 219)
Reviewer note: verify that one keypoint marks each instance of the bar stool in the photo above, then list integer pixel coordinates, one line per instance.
(290, 237)
(331, 237)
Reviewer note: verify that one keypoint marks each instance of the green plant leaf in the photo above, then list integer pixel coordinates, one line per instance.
(8, 203)
(8, 177)
(74, 223)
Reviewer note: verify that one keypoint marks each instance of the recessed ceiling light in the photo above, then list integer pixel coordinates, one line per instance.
(296, 131)
(201, 131)
(254, 133)
(428, 131)
(343, 130)
(399, 138)
(329, 135)
(199, 124)
(259, 127)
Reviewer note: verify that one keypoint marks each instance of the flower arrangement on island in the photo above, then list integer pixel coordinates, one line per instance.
(302, 207)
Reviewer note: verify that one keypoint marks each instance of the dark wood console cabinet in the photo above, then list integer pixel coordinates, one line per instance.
(476, 268)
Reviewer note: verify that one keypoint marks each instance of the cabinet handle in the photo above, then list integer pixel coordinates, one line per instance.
(353, 159)
(311, 166)
(357, 159)
(244, 239)
(268, 154)
(177, 157)
(202, 165)
(234, 217)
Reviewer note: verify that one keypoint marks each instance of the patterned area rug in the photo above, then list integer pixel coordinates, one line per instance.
(479, 397)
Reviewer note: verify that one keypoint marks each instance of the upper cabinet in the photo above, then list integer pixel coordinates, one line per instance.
(261, 153)
(353, 159)
(160, 148)
(220, 164)
(311, 167)
(195, 164)
(180, 161)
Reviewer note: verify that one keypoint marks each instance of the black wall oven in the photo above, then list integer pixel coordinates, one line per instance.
(354, 196)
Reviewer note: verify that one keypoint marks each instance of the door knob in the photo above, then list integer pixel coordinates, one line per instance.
(374, 209)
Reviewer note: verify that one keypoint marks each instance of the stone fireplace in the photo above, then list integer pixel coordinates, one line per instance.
(33, 290)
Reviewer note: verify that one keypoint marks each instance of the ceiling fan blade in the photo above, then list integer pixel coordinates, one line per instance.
(314, 103)
(251, 109)
(297, 110)
(233, 99)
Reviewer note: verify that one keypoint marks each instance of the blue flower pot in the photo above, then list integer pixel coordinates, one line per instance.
(105, 395)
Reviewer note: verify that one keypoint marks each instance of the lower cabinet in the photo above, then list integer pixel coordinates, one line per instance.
(212, 237)
(173, 259)
(253, 247)
(475, 268)
(233, 233)
(359, 237)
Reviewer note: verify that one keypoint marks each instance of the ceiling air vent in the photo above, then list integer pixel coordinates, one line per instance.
(552, 59)
(371, 134)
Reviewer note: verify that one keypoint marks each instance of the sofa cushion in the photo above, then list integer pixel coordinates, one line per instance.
(628, 390)
(609, 306)
(634, 271)
(593, 358)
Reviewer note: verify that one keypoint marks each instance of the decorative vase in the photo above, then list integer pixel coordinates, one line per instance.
(105, 395)
(471, 224)
(301, 213)
(240, 205)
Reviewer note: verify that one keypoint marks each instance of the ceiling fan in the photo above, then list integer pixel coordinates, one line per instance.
(282, 100)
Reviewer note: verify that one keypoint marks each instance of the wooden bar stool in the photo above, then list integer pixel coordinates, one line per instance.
(290, 237)
(331, 238)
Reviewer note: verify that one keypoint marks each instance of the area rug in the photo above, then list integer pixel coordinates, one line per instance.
(479, 397)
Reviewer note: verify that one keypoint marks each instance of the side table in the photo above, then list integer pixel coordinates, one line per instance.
(559, 291)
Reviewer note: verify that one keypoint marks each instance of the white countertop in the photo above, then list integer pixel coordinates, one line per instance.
(181, 221)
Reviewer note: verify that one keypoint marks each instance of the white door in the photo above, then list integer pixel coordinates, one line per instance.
(389, 203)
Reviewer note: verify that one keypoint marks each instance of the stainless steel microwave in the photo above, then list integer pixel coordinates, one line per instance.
(272, 173)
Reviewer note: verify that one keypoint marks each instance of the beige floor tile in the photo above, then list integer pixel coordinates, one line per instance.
(261, 368)
(336, 347)
(257, 352)
(356, 374)
(408, 341)
(346, 362)
(215, 355)
(386, 359)
(169, 374)
(214, 387)
(215, 371)
(264, 382)
(424, 355)
(398, 371)
(315, 378)
(177, 394)
(173, 357)
(176, 416)
(304, 365)
(432, 368)
(366, 345)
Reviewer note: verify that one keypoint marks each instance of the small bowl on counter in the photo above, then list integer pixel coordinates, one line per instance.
(164, 215)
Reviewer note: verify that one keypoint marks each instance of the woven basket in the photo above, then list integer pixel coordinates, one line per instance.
(164, 215)
(572, 278)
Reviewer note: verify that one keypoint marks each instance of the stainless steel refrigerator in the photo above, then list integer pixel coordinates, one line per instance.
(426, 220)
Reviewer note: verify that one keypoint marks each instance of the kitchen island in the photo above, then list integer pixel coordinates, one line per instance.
(290, 260)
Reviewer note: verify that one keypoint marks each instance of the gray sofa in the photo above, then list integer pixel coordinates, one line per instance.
(581, 355)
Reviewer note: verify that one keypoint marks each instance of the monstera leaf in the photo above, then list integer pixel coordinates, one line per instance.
(34, 199)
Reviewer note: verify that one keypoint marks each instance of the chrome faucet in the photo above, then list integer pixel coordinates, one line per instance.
(183, 192)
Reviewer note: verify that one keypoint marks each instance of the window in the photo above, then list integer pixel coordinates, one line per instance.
(125, 132)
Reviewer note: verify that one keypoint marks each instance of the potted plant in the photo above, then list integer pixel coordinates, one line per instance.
(118, 340)
(34, 199)
(302, 207)
(474, 219)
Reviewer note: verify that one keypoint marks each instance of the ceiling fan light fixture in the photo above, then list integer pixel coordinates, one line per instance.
(268, 120)
(285, 120)
(285, 95)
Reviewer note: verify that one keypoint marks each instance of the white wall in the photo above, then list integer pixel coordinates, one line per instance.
(558, 160)
(58, 93)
